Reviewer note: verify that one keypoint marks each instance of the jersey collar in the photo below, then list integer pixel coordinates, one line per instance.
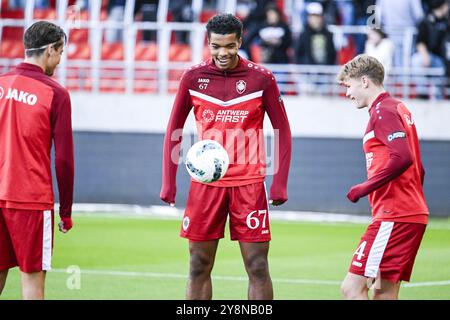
(380, 98)
(30, 67)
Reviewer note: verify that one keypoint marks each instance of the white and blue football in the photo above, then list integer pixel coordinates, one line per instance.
(207, 161)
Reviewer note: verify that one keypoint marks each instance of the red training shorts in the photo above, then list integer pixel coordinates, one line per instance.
(388, 249)
(207, 209)
(26, 239)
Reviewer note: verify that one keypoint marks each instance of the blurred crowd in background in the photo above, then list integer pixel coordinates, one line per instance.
(266, 25)
(298, 31)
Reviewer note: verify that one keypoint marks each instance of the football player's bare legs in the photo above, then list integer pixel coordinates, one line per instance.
(387, 290)
(202, 256)
(3, 276)
(33, 285)
(257, 267)
(354, 287)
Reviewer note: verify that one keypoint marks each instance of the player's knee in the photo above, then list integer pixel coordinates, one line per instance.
(200, 265)
(258, 268)
(350, 291)
(345, 290)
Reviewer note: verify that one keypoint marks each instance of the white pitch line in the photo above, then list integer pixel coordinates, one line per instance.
(167, 212)
(428, 284)
(184, 276)
(176, 213)
(234, 278)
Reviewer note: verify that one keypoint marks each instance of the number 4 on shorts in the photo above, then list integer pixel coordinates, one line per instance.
(360, 250)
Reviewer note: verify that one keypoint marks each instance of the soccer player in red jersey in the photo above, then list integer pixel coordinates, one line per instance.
(387, 250)
(229, 97)
(34, 110)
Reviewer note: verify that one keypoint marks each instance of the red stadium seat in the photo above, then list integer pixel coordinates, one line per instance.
(104, 5)
(103, 15)
(347, 53)
(146, 52)
(112, 79)
(205, 15)
(78, 51)
(84, 15)
(180, 52)
(72, 14)
(78, 35)
(12, 49)
(280, 4)
(12, 33)
(3, 7)
(13, 14)
(44, 14)
(112, 51)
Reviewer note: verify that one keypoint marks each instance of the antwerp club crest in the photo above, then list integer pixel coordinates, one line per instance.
(185, 223)
(241, 86)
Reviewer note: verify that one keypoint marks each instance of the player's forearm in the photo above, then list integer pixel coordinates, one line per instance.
(280, 178)
(172, 143)
(64, 158)
(170, 166)
(65, 176)
(283, 139)
(64, 162)
(171, 156)
(394, 168)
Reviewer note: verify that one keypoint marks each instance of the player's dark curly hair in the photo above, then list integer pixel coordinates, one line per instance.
(40, 34)
(225, 23)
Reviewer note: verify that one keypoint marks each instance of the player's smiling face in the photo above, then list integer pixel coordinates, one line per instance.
(356, 91)
(224, 49)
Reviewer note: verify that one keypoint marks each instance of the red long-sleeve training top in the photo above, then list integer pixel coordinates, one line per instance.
(229, 107)
(34, 110)
(394, 166)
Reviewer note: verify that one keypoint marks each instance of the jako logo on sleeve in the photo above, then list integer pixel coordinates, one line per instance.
(396, 135)
(19, 96)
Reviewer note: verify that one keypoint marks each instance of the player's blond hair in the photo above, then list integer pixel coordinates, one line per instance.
(362, 65)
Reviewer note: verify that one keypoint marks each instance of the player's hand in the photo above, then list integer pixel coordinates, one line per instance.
(168, 197)
(65, 225)
(354, 193)
(276, 202)
(168, 201)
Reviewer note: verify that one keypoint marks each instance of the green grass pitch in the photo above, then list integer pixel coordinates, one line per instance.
(144, 258)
